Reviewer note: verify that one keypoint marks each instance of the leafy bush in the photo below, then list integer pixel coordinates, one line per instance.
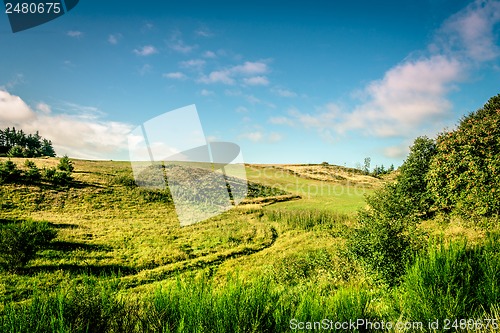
(9, 171)
(465, 173)
(16, 151)
(65, 164)
(19, 242)
(32, 174)
(386, 237)
(57, 177)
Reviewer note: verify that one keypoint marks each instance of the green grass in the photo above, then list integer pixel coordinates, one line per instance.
(122, 263)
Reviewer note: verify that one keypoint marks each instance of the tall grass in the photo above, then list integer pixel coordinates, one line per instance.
(453, 281)
(191, 305)
(307, 219)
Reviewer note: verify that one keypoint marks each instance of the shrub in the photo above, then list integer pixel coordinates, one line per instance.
(465, 173)
(57, 177)
(19, 242)
(33, 172)
(16, 151)
(9, 171)
(65, 164)
(386, 237)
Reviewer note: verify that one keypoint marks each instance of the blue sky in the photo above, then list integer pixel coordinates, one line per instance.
(289, 81)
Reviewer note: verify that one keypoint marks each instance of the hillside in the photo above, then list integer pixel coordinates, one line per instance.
(287, 239)
(108, 226)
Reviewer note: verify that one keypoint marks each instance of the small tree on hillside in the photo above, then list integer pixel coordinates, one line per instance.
(65, 164)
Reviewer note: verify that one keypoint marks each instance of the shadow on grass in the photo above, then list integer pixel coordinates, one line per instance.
(94, 270)
(74, 246)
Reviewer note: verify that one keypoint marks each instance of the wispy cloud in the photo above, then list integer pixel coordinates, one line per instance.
(145, 69)
(247, 73)
(205, 92)
(256, 81)
(281, 121)
(177, 44)
(16, 80)
(251, 68)
(175, 75)
(260, 136)
(471, 31)
(193, 63)
(209, 54)
(77, 135)
(222, 76)
(283, 92)
(146, 50)
(44, 108)
(114, 38)
(204, 32)
(74, 34)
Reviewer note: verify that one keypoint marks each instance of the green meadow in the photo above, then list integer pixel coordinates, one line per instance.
(278, 262)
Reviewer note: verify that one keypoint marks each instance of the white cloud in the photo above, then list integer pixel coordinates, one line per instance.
(281, 121)
(283, 92)
(74, 34)
(146, 50)
(251, 68)
(222, 76)
(43, 107)
(79, 135)
(114, 38)
(177, 44)
(252, 136)
(175, 75)
(241, 109)
(205, 92)
(396, 151)
(259, 136)
(410, 94)
(145, 69)
(13, 109)
(471, 31)
(247, 72)
(209, 54)
(18, 79)
(193, 63)
(204, 32)
(256, 81)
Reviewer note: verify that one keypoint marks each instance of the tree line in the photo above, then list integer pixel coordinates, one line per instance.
(16, 143)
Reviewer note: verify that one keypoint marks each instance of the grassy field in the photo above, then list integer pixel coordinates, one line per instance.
(122, 261)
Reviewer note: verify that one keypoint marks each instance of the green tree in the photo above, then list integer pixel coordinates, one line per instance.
(65, 164)
(32, 173)
(386, 236)
(412, 181)
(46, 149)
(465, 173)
